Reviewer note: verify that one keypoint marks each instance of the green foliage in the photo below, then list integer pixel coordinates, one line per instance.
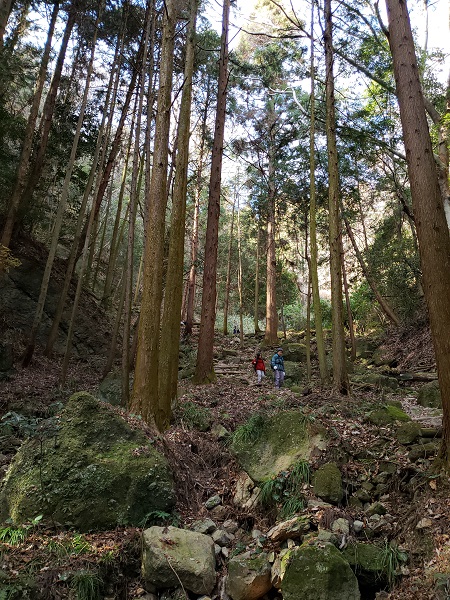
(86, 585)
(250, 431)
(16, 535)
(284, 490)
(392, 558)
(325, 306)
(295, 316)
(160, 518)
(17, 423)
(195, 417)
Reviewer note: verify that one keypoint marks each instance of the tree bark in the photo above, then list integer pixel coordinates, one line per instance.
(204, 372)
(432, 231)
(271, 332)
(321, 353)
(228, 280)
(5, 11)
(145, 390)
(170, 344)
(256, 310)
(340, 375)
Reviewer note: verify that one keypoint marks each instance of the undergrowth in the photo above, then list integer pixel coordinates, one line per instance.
(250, 431)
(284, 492)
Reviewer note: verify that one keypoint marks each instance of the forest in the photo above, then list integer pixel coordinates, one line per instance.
(185, 185)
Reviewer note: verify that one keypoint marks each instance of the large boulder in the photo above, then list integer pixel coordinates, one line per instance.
(280, 441)
(295, 352)
(327, 483)
(248, 576)
(319, 573)
(387, 415)
(376, 379)
(89, 470)
(368, 564)
(295, 373)
(430, 395)
(171, 555)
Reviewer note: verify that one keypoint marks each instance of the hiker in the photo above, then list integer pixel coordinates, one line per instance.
(260, 367)
(277, 364)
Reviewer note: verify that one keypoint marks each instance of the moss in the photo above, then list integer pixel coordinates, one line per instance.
(327, 483)
(95, 473)
(319, 573)
(430, 395)
(288, 437)
(387, 415)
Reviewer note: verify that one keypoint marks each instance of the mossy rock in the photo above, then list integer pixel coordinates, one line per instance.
(295, 352)
(376, 379)
(380, 357)
(89, 470)
(327, 482)
(280, 441)
(365, 347)
(319, 573)
(295, 373)
(110, 389)
(368, 563)
(408, 433)
(387, 415)
(430, 395)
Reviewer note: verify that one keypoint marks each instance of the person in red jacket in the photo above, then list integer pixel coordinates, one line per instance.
(260, 367)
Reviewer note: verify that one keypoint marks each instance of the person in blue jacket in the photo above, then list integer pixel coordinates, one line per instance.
(277, 364)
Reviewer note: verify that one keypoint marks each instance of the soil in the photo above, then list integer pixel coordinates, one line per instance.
(205, 467)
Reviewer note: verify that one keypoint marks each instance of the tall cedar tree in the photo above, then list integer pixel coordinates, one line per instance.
(340, 375)
(170, 343)
(145, 393)
(432, 231)
(204, 371)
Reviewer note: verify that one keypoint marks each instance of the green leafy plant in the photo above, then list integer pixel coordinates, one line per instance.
(250, 431)
(16, 535)
(79, 545)
(285, 490)
(195, 417)
(86, 585)
(13, 535)
(161, 518)
(392, 559)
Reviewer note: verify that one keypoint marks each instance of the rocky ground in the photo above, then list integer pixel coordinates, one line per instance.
(377, 465)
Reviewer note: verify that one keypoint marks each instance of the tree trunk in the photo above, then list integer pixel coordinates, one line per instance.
(271, 333)
(340, 375)
(240, 276)
(228, 280)
(321, 353)
(256, 313)
(432, 231)
(5, 11)
(204, 372)
(61, 208)
(191, 287)
(170, 344)
(351, 327)
(145, 391)
(25, 154)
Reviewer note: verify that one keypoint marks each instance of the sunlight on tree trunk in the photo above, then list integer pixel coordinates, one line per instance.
(228, 281)
(340, 375)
